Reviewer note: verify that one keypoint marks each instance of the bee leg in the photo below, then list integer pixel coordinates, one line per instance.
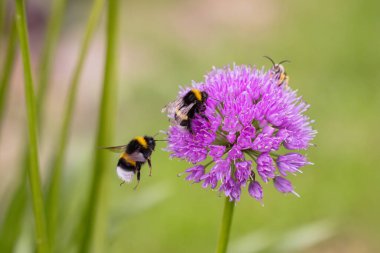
(184, 122)
(122, 183)
(200, 111)
(138, 180)
(150, 166)
(204, 117)
(187, 124)
(138, 177)
(188, 127)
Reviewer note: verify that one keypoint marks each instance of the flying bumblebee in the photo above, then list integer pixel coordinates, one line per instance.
(183, 110)
(278, 71)
(138, 151)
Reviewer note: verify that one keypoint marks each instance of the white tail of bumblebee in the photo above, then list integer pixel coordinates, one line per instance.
(126, 176)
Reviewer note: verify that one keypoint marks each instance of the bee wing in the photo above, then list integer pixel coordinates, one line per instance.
(137, 156)
(185, 110)
(116, 149)
(181, 114)
(171, 107)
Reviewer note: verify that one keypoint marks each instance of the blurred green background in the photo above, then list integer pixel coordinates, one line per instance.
(334, 51)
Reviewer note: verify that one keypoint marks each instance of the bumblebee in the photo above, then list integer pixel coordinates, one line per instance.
(138, 151)
(278, 71)
(183, 110)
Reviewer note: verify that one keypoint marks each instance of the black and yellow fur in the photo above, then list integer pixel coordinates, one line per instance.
(194, 98)
(135, 154)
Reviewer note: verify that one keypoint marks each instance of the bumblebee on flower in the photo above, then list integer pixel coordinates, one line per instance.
(244, 122)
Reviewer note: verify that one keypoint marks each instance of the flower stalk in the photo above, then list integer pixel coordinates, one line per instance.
(225, 228)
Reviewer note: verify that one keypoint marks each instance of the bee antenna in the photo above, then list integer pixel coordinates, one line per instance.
(156, 134)
(270, 59)
(284, 61)
(160, 140)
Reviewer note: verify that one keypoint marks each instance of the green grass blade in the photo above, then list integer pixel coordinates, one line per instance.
(58, 158)
(93, 225)
(52, 33)
(8, 237)
(3, 5)
(33, 168)
(11, 225)
(8, 68)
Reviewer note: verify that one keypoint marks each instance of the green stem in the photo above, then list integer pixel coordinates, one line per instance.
(58, 160)
(226, 226)
(253, 157)
(94, 221)
(208, 164)
(33, 169)
(52, 32)
(8, 68)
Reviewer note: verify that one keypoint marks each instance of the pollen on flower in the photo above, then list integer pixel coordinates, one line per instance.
(247, 122)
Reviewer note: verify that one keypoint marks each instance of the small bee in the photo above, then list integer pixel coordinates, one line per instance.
(134, 155)
(278, 71)
(183, 110)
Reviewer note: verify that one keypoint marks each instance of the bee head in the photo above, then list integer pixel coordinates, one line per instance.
(151, 142)
(204, 96)
(278, 69)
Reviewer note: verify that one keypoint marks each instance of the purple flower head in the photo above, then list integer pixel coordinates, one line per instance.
(265, 167)
(231, 189)
(216, 151)
(195, 173)
(283, 185)
(255, 190)
(247, 121)
(244, 141)
(242, 171)
(291, 163)
(209, 179)
(235, 153)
